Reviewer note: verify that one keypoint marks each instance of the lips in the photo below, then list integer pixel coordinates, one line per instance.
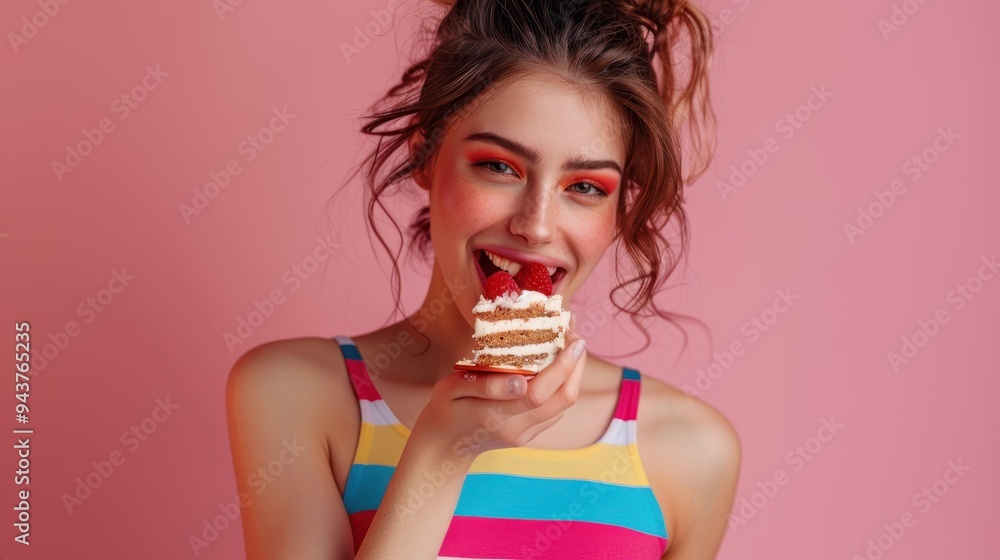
(488, 262)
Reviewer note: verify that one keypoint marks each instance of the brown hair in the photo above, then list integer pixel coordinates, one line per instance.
(621, 48)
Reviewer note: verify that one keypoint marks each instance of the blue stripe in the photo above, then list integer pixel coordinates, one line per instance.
(631, 374)
(365, 487)
(524, 497)
(350, 351)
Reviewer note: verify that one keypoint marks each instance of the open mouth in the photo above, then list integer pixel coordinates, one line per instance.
(486, 266)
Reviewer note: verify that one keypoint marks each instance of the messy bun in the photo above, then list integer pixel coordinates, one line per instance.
(668, 22)
(626, 49)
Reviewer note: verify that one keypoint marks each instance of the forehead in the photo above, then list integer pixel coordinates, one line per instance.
(557, 118)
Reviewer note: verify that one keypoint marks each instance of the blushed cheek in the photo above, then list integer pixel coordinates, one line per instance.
(601, 228)
(463, 202)
(598, 236)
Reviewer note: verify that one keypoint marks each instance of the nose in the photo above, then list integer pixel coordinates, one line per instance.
(533, 219)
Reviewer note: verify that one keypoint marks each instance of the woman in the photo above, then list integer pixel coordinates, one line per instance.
(540, 132)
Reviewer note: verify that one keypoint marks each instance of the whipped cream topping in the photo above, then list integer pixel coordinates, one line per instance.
(521, 301)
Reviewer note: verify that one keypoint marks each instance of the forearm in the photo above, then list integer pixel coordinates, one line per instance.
(405, 527)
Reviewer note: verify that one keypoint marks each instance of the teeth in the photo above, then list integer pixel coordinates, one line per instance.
(510, 266)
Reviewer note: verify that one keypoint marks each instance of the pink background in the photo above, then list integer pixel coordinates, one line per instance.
(823, 358)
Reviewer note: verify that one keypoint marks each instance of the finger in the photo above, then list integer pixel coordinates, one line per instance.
(571, 330)
(571, 388)
(548, 412)
(555, 374)
(494, 386)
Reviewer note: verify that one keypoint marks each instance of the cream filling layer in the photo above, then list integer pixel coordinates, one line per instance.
(525, 350)
(484, 328)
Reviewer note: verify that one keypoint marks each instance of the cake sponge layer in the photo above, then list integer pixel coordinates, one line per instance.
(506, 339)
(533, 362)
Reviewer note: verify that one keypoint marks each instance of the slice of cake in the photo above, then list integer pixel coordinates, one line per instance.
(515, 328)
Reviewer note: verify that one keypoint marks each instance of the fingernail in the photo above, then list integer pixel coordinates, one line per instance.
(516, 385)
(577, 348)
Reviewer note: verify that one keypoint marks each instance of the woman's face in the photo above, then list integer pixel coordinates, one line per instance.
(531, 173)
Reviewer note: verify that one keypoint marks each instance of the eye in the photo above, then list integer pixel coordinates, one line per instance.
(496, 167)
(597, 191)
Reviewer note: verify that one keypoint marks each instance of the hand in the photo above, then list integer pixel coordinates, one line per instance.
(469, 415)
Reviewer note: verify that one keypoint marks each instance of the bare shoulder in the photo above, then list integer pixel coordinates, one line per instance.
(677, 421)
(281, 399)
(297, 375)
(287, 360)
(692, 454)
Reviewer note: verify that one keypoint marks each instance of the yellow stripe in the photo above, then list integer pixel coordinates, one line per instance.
(616, 464)
(363, 454)
(389, 448)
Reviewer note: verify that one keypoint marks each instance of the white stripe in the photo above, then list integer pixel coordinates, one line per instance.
(377, 413)
(620, 432)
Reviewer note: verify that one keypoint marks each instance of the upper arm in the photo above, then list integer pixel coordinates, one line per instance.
(290, 504)
(709, 476)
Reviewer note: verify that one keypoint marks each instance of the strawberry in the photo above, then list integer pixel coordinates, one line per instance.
(500, 283)
(535, 277)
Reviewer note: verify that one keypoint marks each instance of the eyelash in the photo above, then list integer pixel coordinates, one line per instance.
(599, 191)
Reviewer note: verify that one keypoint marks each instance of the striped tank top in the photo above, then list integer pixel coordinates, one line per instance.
(592, 502)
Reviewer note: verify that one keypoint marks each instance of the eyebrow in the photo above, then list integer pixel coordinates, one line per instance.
(573, 164)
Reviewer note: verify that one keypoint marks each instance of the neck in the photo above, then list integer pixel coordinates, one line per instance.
(439, 320)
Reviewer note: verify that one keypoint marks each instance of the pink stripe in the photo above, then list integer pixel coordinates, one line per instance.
(627, 400)
(483, 537)
(360, 521)
(362, 383)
